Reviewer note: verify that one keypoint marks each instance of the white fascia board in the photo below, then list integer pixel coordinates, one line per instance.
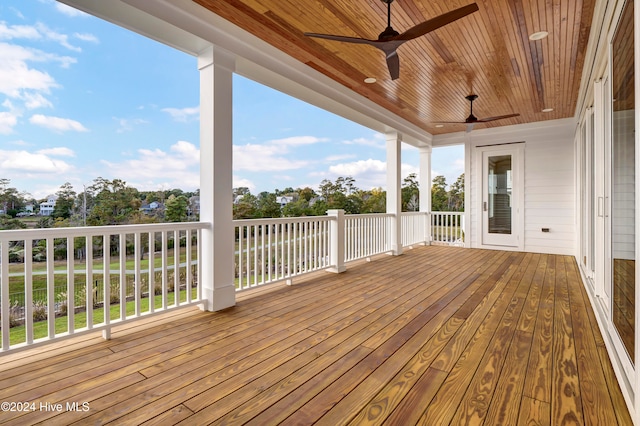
(505, 134)
(191, 28)
(138, 21)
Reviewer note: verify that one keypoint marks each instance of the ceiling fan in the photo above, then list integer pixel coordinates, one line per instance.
(389, 40)
(472, 119)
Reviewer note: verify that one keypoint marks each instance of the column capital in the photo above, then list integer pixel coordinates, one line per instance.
(393, 135)
(214, 55)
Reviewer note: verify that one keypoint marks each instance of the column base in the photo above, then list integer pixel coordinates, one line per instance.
(221, 298)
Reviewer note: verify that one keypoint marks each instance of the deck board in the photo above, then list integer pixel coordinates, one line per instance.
(438, 335)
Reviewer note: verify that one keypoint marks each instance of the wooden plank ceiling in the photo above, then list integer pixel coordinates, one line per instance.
(487, 53)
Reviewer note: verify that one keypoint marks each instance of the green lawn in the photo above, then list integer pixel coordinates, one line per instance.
(16, 283)
(18, 334)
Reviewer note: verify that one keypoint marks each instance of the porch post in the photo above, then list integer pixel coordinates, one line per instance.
(425, 190)
(394, 193)
(336, 228)
(216, 178)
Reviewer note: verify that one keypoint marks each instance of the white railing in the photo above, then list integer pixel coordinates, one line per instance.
(447, 228)
(269, 250)
(124, 272)
(415, 228)
(366, 235)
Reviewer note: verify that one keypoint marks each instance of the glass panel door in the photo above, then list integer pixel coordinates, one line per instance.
(501, 194)
(623, 182)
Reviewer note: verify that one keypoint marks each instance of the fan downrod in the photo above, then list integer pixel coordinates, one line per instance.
(389, 32)
(472, 118)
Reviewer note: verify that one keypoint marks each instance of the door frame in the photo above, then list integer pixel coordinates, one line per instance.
(517, 151)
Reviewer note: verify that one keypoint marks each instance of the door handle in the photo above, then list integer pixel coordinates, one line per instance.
(600, 206)
(484, 206)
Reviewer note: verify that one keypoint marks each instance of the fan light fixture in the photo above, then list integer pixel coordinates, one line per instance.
(472, 119)
(538, 36)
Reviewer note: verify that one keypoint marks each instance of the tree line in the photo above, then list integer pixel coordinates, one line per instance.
(113, 202)
(344, 194)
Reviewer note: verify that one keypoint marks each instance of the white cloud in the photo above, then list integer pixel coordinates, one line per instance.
(8, 32)
(127, 125)
(8, 121)
(239, 182)
(359, 167)
(86, 37)
(264, 158)
(186, 150)
(57, 124)
(36, 100)
(378, 141)
(27, 162)
(368, 173)
(274, 155)
(157, 169)
(15, 74)
(69, 11)
(183, 115)
(296, 141)
(60, 151)
(332, 158)
(60, 38)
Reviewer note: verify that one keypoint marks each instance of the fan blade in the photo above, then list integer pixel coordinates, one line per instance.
(437, 22)
(344, 39)
(393, 62)
(448, 122)
(469, 127)
(499, 117)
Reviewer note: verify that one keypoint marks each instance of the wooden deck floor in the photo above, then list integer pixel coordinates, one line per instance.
(436, 336)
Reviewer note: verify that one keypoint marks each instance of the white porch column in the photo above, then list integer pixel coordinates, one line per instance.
(216, 177)
(394, 192)
(425, 190)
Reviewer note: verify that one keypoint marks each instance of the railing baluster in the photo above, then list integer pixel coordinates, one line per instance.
(137, 285)
(176, 267)
(4, 279)
(51, 314)
(89, 282)
(28, 290)
(187, 272)
(106, 277)
(151, 286)
(165, 264)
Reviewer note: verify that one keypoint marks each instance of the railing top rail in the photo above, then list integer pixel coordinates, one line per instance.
(414, 213)
(369, 215)
(40, 233)
(276, 220)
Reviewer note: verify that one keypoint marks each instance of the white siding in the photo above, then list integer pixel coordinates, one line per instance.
(549, 187)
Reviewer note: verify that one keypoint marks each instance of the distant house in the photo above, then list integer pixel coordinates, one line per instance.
(151, 207)
(46, 207)
(283, 200)
(193, 209)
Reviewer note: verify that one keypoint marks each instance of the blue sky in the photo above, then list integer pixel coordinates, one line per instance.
(81, 98)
